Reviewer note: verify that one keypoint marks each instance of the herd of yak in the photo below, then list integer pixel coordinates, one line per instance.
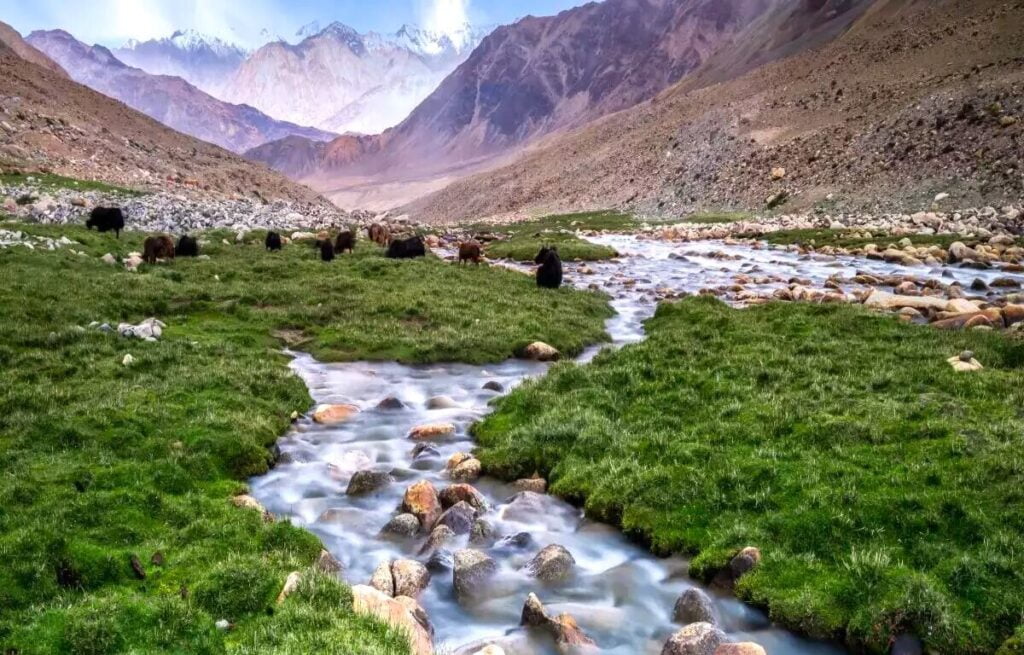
(111, 219)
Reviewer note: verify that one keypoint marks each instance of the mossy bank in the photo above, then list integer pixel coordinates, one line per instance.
(883, 488)
(106, 463)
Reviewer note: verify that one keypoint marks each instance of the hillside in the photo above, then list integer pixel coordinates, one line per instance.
(12, 39)
(170, 100)
(915, 99)
(51, 123)
(546, 75)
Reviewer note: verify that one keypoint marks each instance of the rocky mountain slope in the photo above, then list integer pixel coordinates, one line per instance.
(918, 99)
(12, 39)
(343, 81)
(49, 123)
(206, 63)
(546, 75)
(170, 100)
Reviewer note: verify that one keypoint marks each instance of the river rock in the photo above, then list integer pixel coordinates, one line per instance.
(456, 493)
(744, 561)
(291, 584)
(1013, 314)
(563, 628)
(493, 385)
(741, 648)
(432, 431)
(441, 402)
(403, 525)
(553, 563)
(390, 403)
(410, 577)
(439, 537)
(526, 507)
(459, 518)
(481, 534)
(367, 481)
(958, 252)
(467, 471)
(421, 500)
(382, 580)
(694, 606)
(539, 351)
(425, 451)
(471, 570)
(407, 617)
(517, 541)
(245, 501)
(327, 563)
(883, 300)
(694, 639)
(961, 366)
(334, 414)
(535, 484)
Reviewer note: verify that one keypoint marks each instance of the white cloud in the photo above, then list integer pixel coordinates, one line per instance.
(448, 17)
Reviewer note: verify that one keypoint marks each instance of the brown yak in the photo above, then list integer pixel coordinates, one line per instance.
(154, 248)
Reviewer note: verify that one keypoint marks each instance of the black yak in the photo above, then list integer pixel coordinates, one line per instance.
(346, 241)
(273, 241)
(187, 247)
(161, 247)
(469, 251)
(549, 275)
(327, 251)
(407, 248)
(106, 219)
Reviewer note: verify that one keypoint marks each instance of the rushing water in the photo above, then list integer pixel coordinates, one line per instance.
(621, 595)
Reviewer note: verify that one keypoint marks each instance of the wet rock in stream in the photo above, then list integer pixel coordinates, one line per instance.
(694, 606)
(403, 525)
(694, 639)
(367, 481)
(552, 564)
(472, 569)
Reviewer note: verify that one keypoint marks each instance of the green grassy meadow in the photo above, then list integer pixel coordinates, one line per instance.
(885, 490)
(104, 462)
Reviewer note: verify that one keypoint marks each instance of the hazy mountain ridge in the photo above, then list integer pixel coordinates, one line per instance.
(169, 99)
(342, 81)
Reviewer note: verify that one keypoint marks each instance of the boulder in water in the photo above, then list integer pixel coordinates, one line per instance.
(553, 563)
(432, 431)
(403, 525)
(459, 517)
(694, 639)
(741, 648)
(456, 493)
(467, 471)
(366, 481)
(694, 606)
(421, 501)
(441, 402)
(563, 628)
(390, 403)
(439, 536)
(493, 385)
(334, 414)
(410, 577)
(471, 570)
(535, 484)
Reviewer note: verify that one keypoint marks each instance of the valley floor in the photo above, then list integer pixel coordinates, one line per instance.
(117, 529)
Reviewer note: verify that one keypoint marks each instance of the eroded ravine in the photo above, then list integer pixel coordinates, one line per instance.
(621, 595)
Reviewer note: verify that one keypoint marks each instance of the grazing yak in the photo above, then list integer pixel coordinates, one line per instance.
(346, 241)
(187, 247)
(549, 275)
(326, 251)
(407, 248)
(106, 219)
(469, 251)
(379, 234)
(273, 241)
(161, 247)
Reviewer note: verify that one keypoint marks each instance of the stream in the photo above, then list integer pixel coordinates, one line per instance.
(621, 595)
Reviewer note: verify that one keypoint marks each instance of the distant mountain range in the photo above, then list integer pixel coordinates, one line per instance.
(205, 62)
(170, 100)
(333, 78)
(342, 81)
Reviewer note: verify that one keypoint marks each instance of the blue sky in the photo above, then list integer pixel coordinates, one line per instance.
(111, 22)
